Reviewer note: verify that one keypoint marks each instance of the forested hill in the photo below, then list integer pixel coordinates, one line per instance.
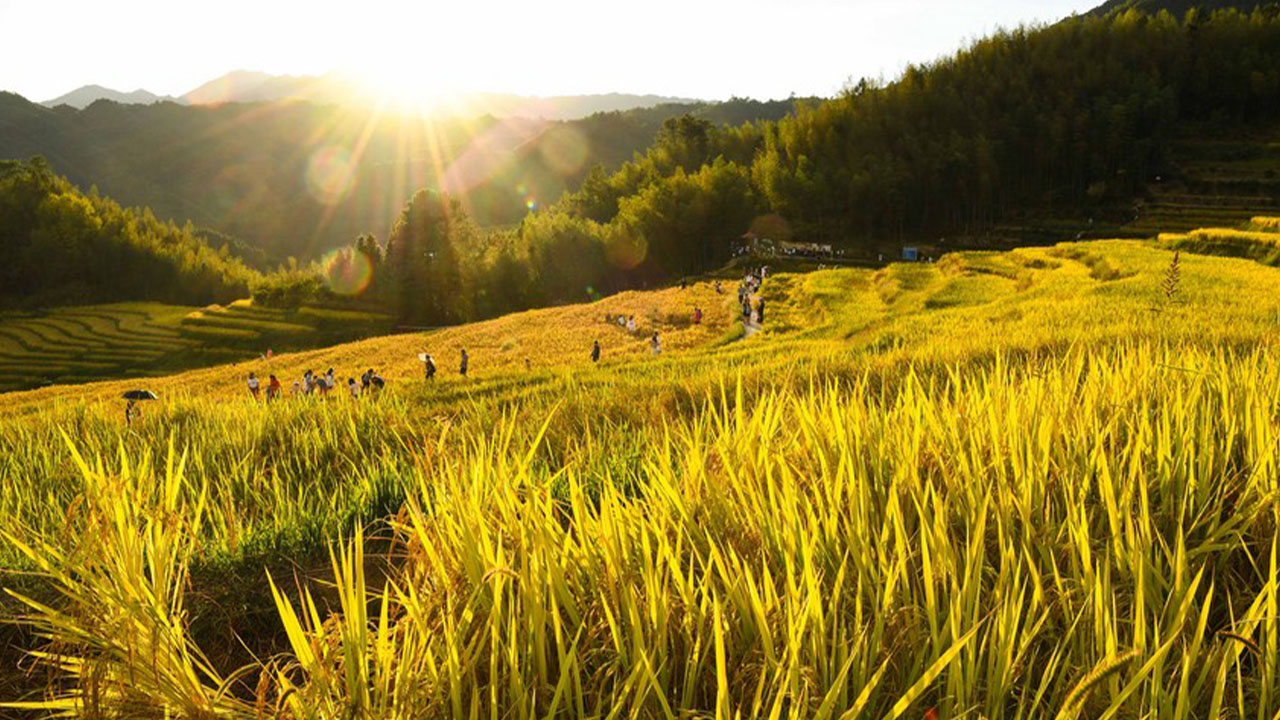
(296, 179)
(63, 246)
(1178, 8)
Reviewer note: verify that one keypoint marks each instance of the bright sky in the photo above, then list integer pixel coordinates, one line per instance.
(708, 49)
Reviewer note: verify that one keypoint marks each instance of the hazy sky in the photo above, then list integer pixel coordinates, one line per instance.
(698, 48)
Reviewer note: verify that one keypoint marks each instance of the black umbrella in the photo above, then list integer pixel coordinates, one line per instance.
(140, 395)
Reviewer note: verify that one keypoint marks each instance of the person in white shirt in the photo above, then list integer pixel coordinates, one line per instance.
(253, 385)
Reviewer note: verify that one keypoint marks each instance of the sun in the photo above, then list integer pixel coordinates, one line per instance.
(402, 86)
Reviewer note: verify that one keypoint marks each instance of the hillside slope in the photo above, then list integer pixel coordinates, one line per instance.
(988, 476)
(967, 304)
(1177, 8)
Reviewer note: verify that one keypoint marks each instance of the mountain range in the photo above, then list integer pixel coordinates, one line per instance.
(291, 178)
(243, 86)
(85, 96)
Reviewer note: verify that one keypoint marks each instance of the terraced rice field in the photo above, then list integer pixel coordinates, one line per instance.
(87, 343)
(1216, 183)
(1006, 486)
(122, 340)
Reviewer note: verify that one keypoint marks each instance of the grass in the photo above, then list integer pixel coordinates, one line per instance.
(82, 344)
(1050, 498)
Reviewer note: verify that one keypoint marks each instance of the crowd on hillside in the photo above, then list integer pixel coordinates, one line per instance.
(371, 382)
(313, 384)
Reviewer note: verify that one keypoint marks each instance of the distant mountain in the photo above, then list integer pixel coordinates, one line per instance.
(563, 107)
(340, 89)
(1178, 8)
(83, 97)
(251, 86)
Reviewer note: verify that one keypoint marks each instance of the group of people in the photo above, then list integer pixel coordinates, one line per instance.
(371, 382)
(626, 322)
(750, 285)
(429, 364)
(313, 384)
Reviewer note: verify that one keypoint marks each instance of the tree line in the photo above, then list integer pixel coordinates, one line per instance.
(63, 246)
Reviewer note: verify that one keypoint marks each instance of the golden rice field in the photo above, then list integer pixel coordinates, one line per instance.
(1265, 223)
(1019, 485)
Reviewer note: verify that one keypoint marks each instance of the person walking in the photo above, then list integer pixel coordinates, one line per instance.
(253, 385)
(273, 389)
(760, 311)
(353, 388)
(428, 367)
(595, 351)
(462, 367)
(655, 345)
(697, 316)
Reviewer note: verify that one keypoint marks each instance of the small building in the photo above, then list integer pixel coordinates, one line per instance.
(911, 253)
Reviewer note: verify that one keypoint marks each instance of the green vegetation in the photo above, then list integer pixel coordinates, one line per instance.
(63, 247)
(998, 484)
(129, 340)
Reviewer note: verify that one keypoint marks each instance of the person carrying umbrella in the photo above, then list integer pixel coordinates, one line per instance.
(131, 410)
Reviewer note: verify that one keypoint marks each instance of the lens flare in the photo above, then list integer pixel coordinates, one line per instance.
(346, 271)
(329, 174)
(489, 154)
(564, 149)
